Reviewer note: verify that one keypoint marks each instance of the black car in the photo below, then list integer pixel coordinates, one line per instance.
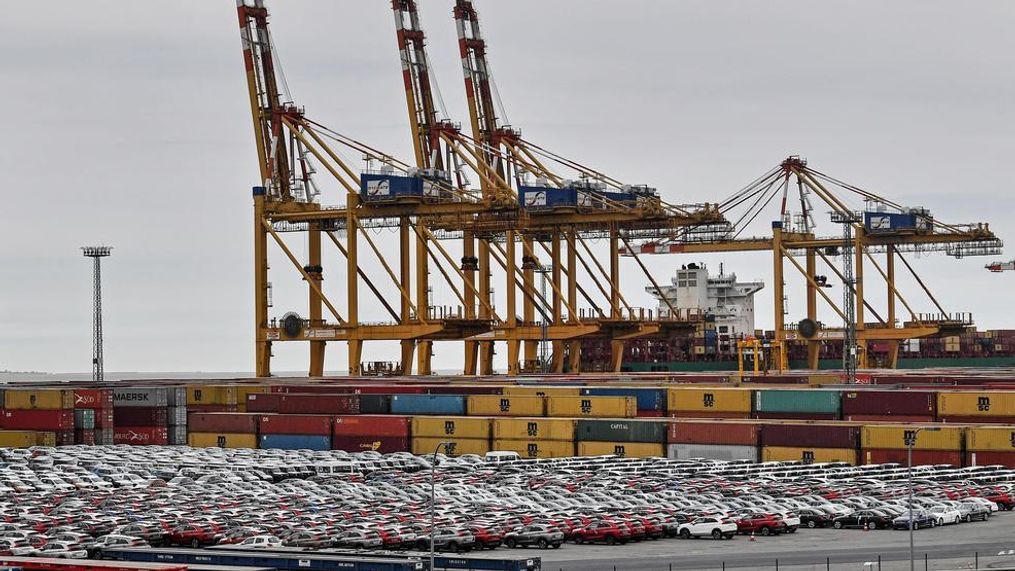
(542, 535)
(814, 518)
(870, 519)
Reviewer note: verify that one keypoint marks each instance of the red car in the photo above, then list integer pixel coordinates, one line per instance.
(486, 537)
(762, 524)
(604, 531)
(193, 535)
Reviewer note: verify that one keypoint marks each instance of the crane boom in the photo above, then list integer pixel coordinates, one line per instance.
(998, 267)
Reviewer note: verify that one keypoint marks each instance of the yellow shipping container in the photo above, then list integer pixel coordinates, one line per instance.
(456, 447)
(706, 399)
(623, 449)
(22, 399)
(536, 448)
(457, 426)
(588, 406)
(222, 440)
(505, 405)
(542, 391)
(894, 437)
(810, 455)
(991, 439)
(533, 428)
(823, 379)
(26, 438)
(211, 394)
(969, 403)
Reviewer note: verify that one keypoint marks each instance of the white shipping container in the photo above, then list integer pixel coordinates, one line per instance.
(712, 452)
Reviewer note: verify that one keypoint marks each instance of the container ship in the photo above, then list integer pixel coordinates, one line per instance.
(728, 306)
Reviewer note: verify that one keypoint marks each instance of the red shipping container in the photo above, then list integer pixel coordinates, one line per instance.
(891, 418)
(795, 416)
(349, 389)
(382, 444)
(651, 413)
(463, 390)
(810, 435)
(313, 424)
(212, 408)
(141, 435)
(372, 425)
(140, 416)
(903, 403)
(84, 437)
(977, 419)
(38, 419)
(318, 404)
(713, 432)
(263, 402)
(93, 398)
(980, 458)
(104, 418)
(709, 414)
(920, 457)
(65, 438)
(223, 422)
(775, 379)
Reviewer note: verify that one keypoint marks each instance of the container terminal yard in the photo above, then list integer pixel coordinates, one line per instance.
(679, 436)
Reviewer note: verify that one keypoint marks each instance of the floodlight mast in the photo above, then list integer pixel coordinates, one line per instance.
(96, 253)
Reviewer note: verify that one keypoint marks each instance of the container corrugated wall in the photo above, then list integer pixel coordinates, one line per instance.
(622, 449)
(590, 406)
(881, 403)
(976, 403)
(648, 399)
(428, 404)
(536, 448)
(294, 442)
(538, 391)
(457, 427)
(621, 431)
(458, 446)
(24, 399)
(712, 452)
(993, 439)
(222, 440)
(814, 401)
(894, 437)
(808, 455)
(506, 405)
(811, 435)
(708, 400)
(714, 432)
(534, 429)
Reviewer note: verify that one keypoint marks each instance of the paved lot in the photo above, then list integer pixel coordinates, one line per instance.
(950, 547)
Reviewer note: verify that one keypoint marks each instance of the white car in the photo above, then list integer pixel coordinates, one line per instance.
(945, 514)
(261, 542)
(63, 550)
(708, 526)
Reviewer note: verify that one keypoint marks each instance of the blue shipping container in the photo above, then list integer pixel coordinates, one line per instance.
(377, 187)
(888, 221)
(648, 399)
(453, 405)
(537, 197)
(295, 442)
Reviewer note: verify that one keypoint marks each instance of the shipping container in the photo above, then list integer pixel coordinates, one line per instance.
(976, 403)
(294, 442)
(176, 416)
(589, 406)
(221, 440)
(318, 404)
(93, 398)
(709, 414)
(952, 419)
(27, 399)
(223, 422)
(811, 435)
(85, 437)
(374, 404)
(448, 405)
(993, 439)
(458, 427)
(361, 442)
(708, 399)
(813, 401)
(209, 407)
(893, 418)
(26, 438)
(534, 429)
(920, 457)
(990, 458)
(712, 452)
(268, 402)
(141, 435)
(37, 419)
(456, 446)
(178, 435)
(896, 437)
(104, 436)
(621, 430)
(464, 390)
(622, 449)
(649, 399)
(104, 417)
(536, 448)
(714, 432)
(64, 437)
(794, 416)
(506, 405)
(84, 418)
(295, 424)
(378, 425)
(244, 391)
(808, 455)
(141, 416)
(175, 396)
(902, 403)
(540, 391)
(141, 397)
(211, 394)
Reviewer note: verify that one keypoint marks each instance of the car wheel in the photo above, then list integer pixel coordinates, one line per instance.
(837, 525)
(812, 524)
(510, 543)
(452, 546)
(556, 546)
(716, 534)
(685, 533)
(195, 543)
(610, 540)
(766, 531)
(579, 540)
(956, 521)
(542, 543)
(872, 525)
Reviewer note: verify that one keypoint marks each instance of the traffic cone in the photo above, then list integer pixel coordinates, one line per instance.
(752, 537)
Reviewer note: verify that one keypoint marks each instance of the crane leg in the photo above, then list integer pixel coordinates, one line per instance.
(616, 355)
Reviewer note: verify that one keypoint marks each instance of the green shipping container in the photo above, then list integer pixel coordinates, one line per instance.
(621, 431)
(799, 401)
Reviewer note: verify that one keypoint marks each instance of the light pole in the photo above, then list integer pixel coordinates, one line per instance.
(910, 438)
(433, 496)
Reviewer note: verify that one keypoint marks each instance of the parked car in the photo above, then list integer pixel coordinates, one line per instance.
(708, 526)
(542, 536)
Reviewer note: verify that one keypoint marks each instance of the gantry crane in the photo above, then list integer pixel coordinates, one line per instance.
(882, 226)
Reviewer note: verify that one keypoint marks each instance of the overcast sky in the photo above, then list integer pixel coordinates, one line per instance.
(127, 124)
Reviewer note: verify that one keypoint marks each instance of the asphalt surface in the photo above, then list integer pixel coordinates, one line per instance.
(948, 547)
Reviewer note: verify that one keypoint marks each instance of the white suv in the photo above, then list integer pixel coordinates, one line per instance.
(706, 526)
